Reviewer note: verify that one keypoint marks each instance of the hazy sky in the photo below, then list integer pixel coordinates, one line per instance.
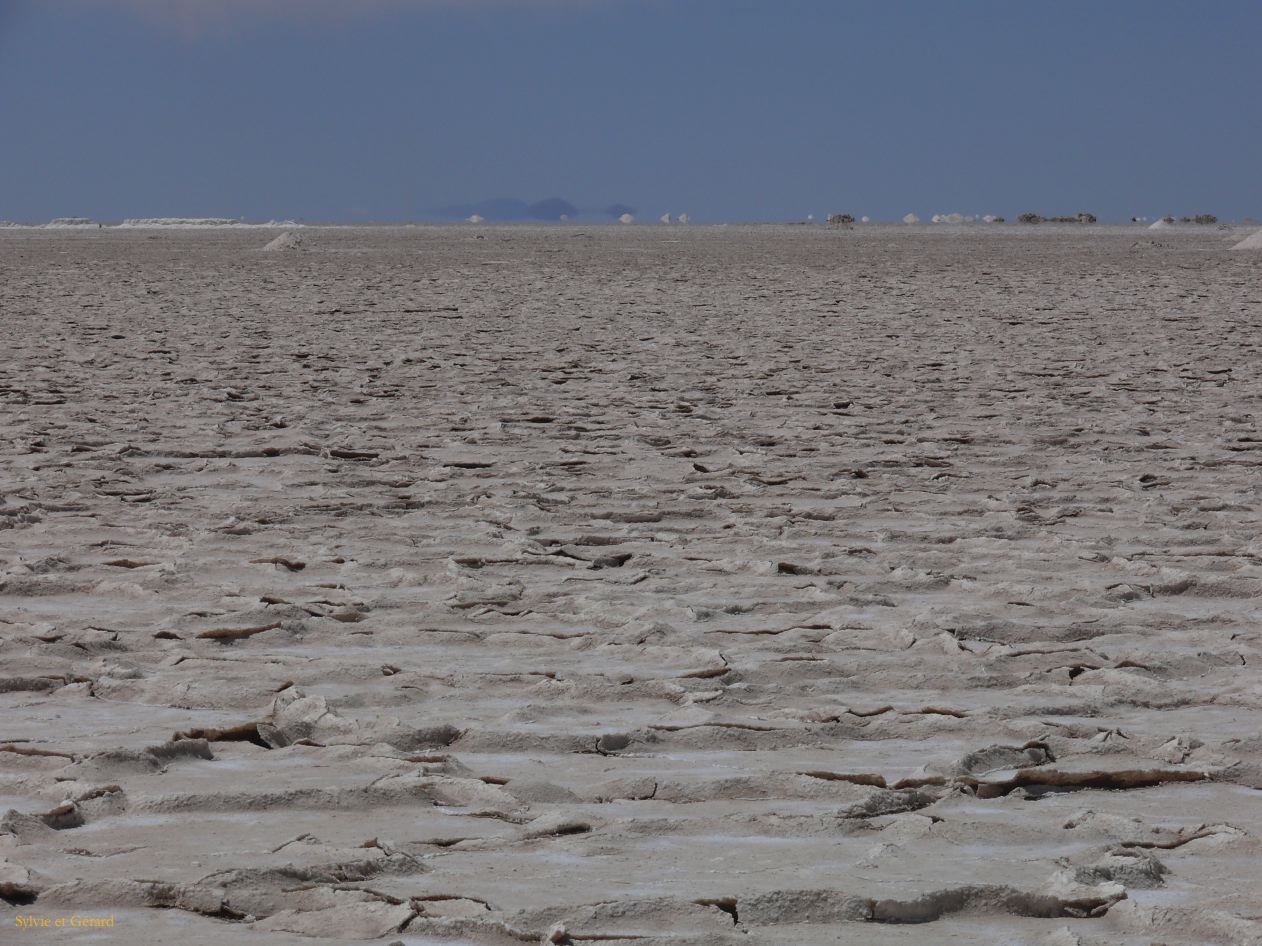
(727, 109)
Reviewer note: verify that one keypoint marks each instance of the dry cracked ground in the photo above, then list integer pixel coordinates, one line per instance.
(635, 585)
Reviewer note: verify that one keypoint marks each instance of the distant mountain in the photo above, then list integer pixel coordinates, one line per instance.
(497, 208)
(554, 208)
(509, 209)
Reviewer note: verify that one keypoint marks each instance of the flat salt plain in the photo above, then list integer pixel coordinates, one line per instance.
(647, 584)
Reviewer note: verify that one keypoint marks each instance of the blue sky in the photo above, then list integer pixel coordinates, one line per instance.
(346, 110)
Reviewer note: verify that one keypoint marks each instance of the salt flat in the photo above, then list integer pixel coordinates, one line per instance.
(644, 584)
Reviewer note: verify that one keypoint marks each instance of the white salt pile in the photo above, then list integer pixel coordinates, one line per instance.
(476, 218)
(626, 218)
(1252, 242)
(286, 241)
(683, 218)
(61, 222)
(911, 218)
(665, 218)
(1159, 225)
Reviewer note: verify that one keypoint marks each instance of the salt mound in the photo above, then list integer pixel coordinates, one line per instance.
(1252, 242)
(286, 241)
(476, 218)
(60, 222)
(911, 218)
(1158, 225)
(683, 218)
(626, 218)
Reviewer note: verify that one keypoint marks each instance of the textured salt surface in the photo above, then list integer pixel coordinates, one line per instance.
(773, 585)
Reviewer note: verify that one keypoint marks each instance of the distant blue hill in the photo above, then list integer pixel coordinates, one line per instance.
(509, 209)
